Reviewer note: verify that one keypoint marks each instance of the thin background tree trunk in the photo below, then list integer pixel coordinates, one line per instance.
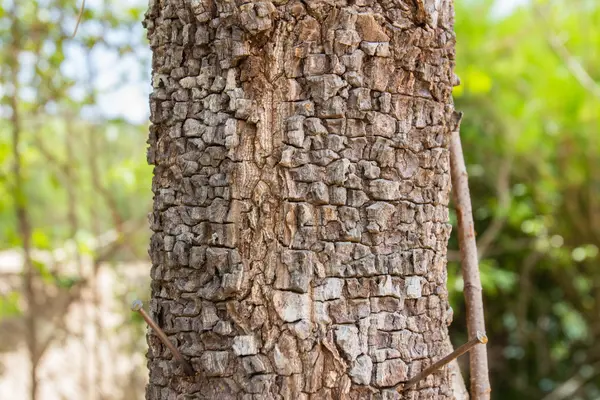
(480, 384)
(301, 190)
(20, 203)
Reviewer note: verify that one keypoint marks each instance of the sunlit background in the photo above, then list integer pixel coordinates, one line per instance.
(75, 192)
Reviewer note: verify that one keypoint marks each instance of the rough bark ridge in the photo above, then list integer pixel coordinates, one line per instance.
(301, 190)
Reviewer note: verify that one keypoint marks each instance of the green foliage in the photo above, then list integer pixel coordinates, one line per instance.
(84, 172)
(9, 305)
(83, 181)
(524, 107)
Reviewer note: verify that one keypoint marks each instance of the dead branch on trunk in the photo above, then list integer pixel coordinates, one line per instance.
(480, 339)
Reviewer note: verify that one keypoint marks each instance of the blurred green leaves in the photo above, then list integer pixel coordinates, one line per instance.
(522, 103)
(65, 140)
(9, 305)
(476, 81)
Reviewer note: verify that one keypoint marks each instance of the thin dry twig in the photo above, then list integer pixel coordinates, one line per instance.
(576, 69)
(569, 388)
(137, 307)
(480, 339)
(574, 66)
(525, 293)
(79, 17)
(504, 199)
(58, 322)
(480, 384)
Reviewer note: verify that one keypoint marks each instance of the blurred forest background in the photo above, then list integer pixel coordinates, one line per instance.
(75, 192)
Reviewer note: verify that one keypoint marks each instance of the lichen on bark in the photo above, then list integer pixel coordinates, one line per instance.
(301, 189)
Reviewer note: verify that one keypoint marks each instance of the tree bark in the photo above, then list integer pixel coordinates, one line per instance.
(301, 190)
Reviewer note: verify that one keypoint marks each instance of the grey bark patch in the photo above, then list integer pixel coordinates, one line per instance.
(346, 337)
(291, 307)
(361, 370)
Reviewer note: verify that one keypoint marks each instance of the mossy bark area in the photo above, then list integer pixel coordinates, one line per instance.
(301, 190)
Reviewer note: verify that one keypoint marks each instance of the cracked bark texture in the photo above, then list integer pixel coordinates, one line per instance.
(301, 189)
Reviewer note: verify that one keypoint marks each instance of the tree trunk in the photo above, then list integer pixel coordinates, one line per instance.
(301, 188)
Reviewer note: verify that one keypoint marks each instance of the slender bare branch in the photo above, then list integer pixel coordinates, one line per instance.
(79, 17)
(525, 294)
(137, 307)
(574, 66)
(504, 200)
(569, 388)
(480, 339)
(480, 384)
(58, 321)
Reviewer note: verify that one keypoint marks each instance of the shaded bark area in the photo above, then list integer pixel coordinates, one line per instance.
(301, 188)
